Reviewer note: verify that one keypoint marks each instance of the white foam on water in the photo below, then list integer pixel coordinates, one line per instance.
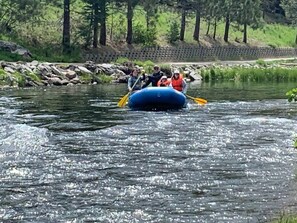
(22, 137)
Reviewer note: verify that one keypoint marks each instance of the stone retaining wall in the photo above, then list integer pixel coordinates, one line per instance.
(193, 54)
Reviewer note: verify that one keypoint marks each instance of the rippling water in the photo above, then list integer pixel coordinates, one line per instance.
(69, 154)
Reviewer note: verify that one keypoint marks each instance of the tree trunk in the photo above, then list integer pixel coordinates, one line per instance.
(111, 26)
(214, 29)
(245, 33)
(103, 34)
(129, 22)
(147, 17)
(102, 40)
(66, 27)
(96, 25)
(183, 25)
(208, 27)
(227, 27)
(197, 25)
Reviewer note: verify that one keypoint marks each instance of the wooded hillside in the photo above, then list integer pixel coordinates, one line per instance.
(71, 25)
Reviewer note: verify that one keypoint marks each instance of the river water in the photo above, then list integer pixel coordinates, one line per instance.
(69, 154)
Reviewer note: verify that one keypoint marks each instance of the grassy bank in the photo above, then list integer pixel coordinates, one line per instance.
(43, 37)
(286, 219)
(275, 71)
(250, 74)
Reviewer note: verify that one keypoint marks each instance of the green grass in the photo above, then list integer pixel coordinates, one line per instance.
(286, 219)
(105, 79)
(7, 56)
(252, 74)
(43, 38)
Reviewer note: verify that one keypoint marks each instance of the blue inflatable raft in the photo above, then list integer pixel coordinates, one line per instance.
(157, 98)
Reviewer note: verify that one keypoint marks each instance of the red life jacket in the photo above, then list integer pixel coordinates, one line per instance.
(177, 84)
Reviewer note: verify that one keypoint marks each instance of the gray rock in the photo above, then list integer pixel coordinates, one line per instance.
(9, 70)
(83, 70)
(55, 81)
(75, 80)
(56, 71)
(70, 74)
(65, 82)
(34, 63)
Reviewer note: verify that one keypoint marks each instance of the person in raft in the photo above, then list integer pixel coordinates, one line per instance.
(163, 82)
(133, 78)
(154, 78)
(178, 82)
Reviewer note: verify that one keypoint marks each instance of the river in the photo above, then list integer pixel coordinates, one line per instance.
(69, 154)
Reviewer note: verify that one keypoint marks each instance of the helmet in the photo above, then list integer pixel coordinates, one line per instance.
(163, 77)
(176, 71)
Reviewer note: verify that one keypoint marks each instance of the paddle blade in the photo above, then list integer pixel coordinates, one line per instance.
(199, 101)
(123, 100)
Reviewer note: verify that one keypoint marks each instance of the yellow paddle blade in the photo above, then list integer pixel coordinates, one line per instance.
(123, 100)
(199, 101)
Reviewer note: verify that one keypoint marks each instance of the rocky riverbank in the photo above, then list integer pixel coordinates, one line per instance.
(36, 73)
(30, 74)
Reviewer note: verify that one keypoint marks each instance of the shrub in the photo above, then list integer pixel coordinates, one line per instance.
(173, 32)
(139, 33)
(150, 37)
(105, 78)
(122, 60)
(261, 62)
(292, 95)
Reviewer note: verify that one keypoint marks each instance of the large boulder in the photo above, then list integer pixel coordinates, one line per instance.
(14, 48)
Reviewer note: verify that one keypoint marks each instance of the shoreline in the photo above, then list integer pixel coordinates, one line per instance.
(35, 73)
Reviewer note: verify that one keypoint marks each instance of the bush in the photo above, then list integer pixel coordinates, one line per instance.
(173, 32)
(105, 78)
(261, 62)
(150, 37)
(143, 36)
(139, 33)
(292, 95)
(122, 60)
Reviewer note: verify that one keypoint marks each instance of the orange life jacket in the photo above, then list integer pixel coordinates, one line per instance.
(177, 84)
(164, 83)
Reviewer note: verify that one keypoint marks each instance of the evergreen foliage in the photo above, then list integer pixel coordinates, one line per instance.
(173, 33)
(44, 24)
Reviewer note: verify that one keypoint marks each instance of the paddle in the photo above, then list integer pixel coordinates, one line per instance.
(199, 101)
(125, 98)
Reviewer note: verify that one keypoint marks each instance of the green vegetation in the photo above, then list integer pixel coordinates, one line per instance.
(146, 65)
(20, 79)
(33, 76)
(94, 25)
(15, 79)
(90, 78)
(105, 79)
(292, 95)
(3, 77)
(286, 219)
(252, 74)
(85, 78)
